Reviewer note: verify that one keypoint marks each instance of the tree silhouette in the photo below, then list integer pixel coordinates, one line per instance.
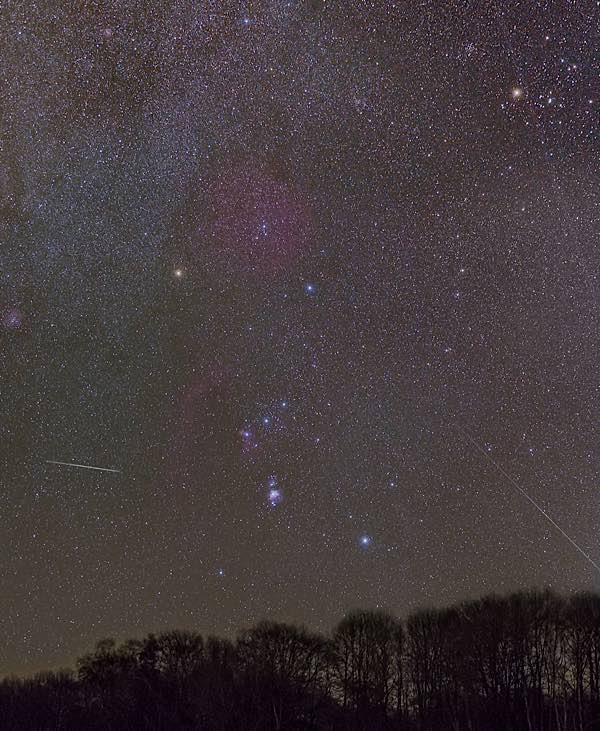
(366, 647)
(529, 661)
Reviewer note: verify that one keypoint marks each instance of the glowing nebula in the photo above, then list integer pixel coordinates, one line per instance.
(259, 223)
(275, 497)
(195, 432)
(12, 319)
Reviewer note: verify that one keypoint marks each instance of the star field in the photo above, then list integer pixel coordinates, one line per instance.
(307, 273)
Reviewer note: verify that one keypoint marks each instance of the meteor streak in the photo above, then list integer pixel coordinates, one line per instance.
(83, 466)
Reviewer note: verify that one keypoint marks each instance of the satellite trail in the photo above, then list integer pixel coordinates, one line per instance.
(538, 507)
(83, 466)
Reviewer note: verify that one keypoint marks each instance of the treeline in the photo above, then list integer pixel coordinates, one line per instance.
(527, 661)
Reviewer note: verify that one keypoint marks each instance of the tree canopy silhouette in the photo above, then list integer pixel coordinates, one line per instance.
(525, 661)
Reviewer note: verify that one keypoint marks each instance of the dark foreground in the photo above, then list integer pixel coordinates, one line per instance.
(527, 661)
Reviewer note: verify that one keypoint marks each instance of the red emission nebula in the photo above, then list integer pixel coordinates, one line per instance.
(258, 223)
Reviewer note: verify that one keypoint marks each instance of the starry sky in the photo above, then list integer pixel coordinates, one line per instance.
(320, 279)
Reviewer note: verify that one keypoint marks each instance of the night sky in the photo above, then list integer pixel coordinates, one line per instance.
(319, 279)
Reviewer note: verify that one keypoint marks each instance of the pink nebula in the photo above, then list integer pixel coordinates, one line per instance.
(199, 439)
(258, 222)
